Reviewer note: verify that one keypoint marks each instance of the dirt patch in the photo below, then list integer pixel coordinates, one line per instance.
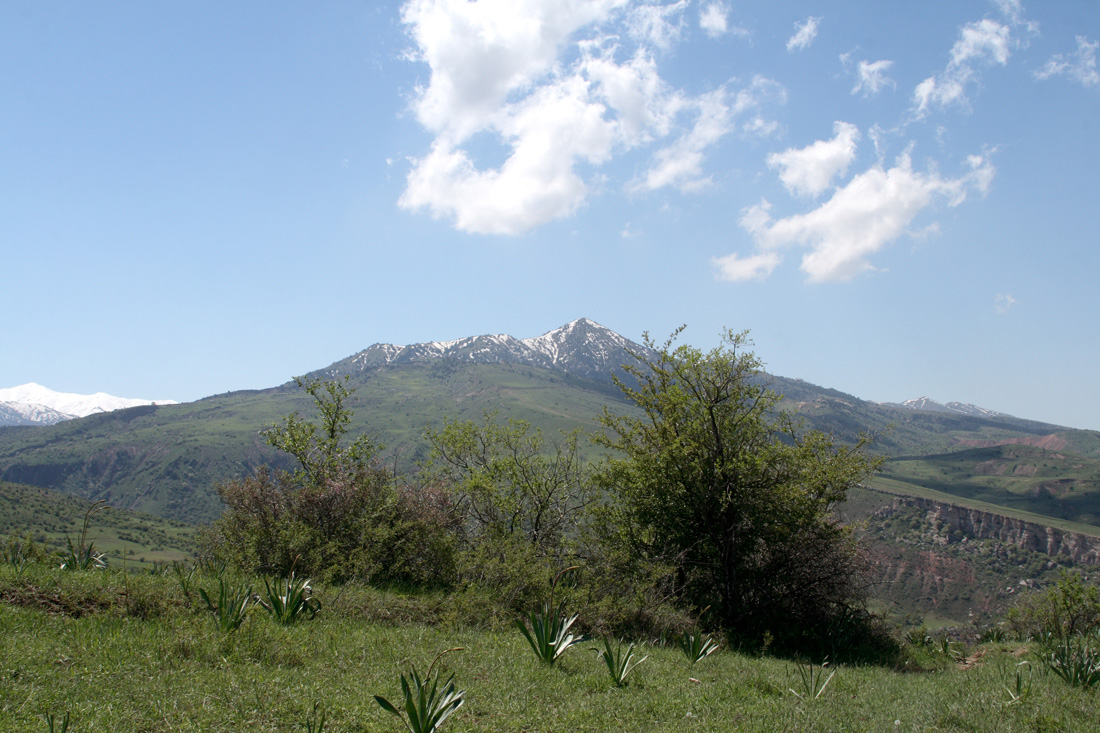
(1054, 441)
(972, 661)
(54, 603)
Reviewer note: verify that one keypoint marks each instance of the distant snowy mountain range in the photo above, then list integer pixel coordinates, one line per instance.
(33, 404)
(582, 348)
(958, 408)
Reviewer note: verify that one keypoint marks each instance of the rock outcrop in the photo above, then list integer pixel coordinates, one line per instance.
(976, 524)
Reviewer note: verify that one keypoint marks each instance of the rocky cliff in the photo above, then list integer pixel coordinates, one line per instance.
(976, 524)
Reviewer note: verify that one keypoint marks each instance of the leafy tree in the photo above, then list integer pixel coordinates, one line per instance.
(715, 478)
(322, 455)
(509, 481)
(519, 498)
(339, 515)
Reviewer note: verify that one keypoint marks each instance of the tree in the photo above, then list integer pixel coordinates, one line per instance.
(339, 515)
(321, 456)
(519, 495)
(716, 476)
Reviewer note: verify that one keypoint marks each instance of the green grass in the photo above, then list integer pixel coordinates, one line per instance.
(129, 654)
(127, 538)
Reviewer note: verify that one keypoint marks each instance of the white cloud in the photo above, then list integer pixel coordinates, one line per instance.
(660, 25)
(735, 268)
(557, 89)
(985, 42)
(873, 209)
(804, 34)
(871, 77)
(810, 171)
(548, 132)
(680, 164)
(714, 20)
(1003, 303)
(1081, 69)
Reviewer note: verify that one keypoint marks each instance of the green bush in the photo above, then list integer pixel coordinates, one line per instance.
(1065, 609)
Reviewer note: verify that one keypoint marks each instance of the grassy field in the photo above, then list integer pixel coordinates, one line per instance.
(119, 651)
(129, 538)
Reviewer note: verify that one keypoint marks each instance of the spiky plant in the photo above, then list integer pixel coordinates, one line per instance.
(549, 634)
(696, 646)
(84, 555)
(427, 705)
(232, 607)
(619, 661)
(290, 599)
(811, 681)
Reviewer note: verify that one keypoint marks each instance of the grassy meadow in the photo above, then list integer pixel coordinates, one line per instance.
(136, 652)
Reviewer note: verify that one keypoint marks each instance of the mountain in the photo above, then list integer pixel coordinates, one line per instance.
(930, 405)
(581, 348)
(33, 404)
(166, 459)
(22, 413)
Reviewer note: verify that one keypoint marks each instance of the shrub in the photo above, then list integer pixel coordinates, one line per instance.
(1064, 609)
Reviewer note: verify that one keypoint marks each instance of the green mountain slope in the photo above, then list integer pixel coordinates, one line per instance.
(127, 538)
(166, 460)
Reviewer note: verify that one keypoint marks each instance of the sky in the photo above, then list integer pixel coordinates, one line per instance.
(896, 199)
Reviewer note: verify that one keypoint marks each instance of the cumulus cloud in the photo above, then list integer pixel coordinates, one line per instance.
(873, 209)
(871, 77)
(714, 20)
(810, 171)
(1003, 303)
(985, 42)
(804, 34)
(561, 93)
(1081, 68)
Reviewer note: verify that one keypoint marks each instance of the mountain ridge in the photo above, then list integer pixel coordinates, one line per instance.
(33, 404)
(580, 348)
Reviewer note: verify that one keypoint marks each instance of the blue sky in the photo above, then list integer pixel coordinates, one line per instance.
(896, 199)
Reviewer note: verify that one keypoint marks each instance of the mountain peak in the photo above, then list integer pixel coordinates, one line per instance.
(927, 404)
(31, 403)
(581, 347)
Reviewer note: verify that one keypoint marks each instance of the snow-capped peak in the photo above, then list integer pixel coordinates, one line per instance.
(32, 397)
(581, 347)
(928, 404)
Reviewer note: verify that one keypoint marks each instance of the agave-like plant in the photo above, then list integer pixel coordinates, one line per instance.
(290, 599)
(619, 662)
(697, 646)
(810, 681)
(84, 555)
(1075, 659)
(1021, 690)
(549, 635)
(232, 607)
(186, 577)
(427, 705)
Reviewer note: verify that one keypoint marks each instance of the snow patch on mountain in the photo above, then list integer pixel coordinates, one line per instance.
(927, 404)
(582, 348)
(33, 404)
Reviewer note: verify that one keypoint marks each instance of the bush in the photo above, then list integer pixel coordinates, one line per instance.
(340, 516)
(714, 480)
(1065, 609)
